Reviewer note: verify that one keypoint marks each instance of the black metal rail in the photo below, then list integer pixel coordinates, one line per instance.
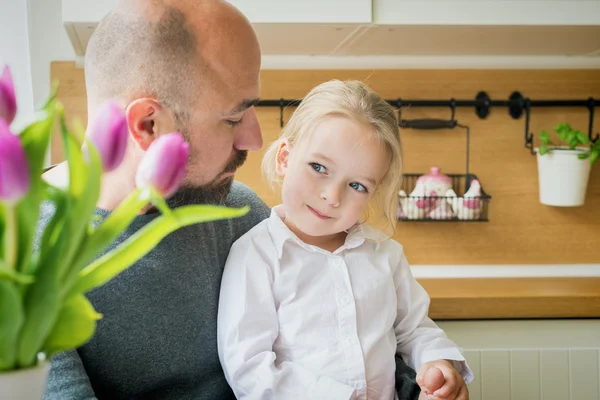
(517, 106)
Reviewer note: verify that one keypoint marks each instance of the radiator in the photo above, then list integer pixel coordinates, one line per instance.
(535, 374)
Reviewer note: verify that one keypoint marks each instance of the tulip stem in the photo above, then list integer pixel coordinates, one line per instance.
(159, 202)
(11, 236)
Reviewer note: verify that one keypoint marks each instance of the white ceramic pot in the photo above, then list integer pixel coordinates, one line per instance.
(24, 384)
(563, 177)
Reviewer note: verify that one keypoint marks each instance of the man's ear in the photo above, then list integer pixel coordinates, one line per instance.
(146, 119)
(282, 158)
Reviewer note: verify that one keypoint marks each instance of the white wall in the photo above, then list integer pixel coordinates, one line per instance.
(49, 42)
(14, 52)
(31, 37)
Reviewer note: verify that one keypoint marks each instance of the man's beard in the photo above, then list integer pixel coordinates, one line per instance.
(215, 192)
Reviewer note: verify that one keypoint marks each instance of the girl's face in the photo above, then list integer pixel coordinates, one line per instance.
(329, 179)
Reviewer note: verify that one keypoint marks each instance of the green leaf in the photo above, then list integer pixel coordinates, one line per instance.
(136, 246)
(594, 155)
(49, 104)
(35, 139)
(582, 137)
(545, 137)
(583, 156)
(75, 325)
(55, 226)
(12, 275)
(84, 188)
(72, 148)
(543, 149)
(11, 321)
(2, 229)
(562, 127)
(41, 305)
(105, 234)
(572, 142)
(563, 130)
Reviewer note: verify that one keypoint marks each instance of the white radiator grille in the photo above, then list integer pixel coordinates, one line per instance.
(535, 374)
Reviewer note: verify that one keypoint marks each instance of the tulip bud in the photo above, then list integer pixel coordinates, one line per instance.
(14, 169)
(108, 133)
(8, 100)
(163, 165)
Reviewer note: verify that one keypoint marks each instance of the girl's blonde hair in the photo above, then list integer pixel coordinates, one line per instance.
(358, 102)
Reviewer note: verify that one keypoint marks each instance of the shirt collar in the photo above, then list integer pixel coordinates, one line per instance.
(280, 234)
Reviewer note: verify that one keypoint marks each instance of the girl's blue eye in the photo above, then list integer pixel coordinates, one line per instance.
(359, 187)
(318, 167)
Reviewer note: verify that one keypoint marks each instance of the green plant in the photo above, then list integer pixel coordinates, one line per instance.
(573, 138)
(45, 275)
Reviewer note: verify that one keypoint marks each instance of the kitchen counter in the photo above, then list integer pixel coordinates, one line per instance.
(513, 298)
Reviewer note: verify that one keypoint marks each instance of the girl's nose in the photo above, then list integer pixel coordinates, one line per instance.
(332, 197)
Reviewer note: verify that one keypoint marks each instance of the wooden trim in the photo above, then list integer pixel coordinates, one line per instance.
(499, 298)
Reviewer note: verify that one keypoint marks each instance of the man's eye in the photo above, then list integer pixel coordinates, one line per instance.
(317, 167)
(234, 123)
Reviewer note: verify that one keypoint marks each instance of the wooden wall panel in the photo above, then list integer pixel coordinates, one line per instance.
(521, 230)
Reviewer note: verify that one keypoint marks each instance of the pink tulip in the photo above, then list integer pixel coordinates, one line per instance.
(8, 100)
(14, 170)
(163, 165)
(109, 134)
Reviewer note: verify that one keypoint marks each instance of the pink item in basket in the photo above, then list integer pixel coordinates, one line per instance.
(471, 197)
(470, 205)
(428, 201)
(435, 183)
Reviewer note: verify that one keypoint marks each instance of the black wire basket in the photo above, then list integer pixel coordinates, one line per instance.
(444, 208)
(465, 202)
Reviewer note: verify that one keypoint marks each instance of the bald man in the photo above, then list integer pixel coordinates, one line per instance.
(190, 66)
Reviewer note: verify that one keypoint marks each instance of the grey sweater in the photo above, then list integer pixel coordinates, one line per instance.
(157, 339)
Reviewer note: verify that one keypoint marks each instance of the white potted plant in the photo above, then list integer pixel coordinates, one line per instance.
(44, 276)
(564, 170)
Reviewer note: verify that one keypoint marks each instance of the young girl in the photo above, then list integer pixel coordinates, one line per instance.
(315, 303)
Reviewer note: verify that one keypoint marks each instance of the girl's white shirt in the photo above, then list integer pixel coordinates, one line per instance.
(299, 322)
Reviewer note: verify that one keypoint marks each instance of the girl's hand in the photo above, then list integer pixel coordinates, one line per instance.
(441, 381)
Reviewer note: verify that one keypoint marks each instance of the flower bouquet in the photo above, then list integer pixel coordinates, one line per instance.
(45, 272)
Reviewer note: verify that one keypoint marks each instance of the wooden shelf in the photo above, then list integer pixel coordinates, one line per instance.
(513, 298)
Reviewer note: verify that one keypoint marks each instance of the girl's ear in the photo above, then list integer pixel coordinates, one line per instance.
(282, 159)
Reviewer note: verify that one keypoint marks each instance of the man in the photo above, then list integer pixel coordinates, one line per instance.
(174, 65)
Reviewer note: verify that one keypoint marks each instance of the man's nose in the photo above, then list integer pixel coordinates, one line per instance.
(249, 136)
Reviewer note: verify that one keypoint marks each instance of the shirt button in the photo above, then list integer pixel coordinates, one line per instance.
(346, 300)
(337, 262)
(359, 385)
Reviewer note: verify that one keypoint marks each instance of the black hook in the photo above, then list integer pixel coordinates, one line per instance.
(591, 104)
(453, 108)
(482, 104)
(281, 113)
(399, 106)
(528, 135)
(516, 103)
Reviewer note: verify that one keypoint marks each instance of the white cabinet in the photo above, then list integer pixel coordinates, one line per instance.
(486, 12)
(403, 33)
(306, 11)
(80, 17)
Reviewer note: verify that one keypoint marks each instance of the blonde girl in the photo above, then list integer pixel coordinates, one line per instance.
(315, 303)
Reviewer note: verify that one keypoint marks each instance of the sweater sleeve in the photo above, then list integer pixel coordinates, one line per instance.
(67, 379)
